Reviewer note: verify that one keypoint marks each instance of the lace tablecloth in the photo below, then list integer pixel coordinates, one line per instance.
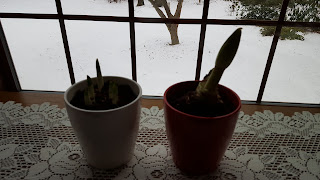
(38, 142)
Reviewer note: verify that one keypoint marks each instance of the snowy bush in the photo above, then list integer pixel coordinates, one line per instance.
(298, 10)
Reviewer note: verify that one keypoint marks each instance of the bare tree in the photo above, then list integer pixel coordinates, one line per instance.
(173, 28)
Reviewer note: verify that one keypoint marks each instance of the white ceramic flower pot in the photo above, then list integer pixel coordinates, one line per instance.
(107, 137)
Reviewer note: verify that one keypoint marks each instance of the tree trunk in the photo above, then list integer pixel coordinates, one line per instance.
(173, 30)
(140, 3)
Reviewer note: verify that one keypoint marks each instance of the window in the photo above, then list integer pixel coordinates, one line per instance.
(133, 41)
(37, 51)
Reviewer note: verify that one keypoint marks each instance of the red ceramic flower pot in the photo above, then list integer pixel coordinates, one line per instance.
(198, 143)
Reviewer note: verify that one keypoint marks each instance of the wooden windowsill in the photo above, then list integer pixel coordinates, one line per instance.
(29, 98)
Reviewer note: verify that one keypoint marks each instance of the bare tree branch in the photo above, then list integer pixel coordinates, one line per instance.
(161, 14)
(167, 8)
(178, 10)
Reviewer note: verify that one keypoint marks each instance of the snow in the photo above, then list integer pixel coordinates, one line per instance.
(37, 50)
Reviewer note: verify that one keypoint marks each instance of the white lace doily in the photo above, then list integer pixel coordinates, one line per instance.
(38, 142)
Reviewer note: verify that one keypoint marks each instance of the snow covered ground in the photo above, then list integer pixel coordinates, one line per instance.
(37, 50)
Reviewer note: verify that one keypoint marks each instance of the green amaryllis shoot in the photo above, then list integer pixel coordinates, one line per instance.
(207, 90)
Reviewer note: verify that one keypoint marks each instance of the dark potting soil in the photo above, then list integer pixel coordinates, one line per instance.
(125, 93)
(189, 105)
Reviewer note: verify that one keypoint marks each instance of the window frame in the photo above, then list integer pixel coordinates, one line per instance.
(11, 75)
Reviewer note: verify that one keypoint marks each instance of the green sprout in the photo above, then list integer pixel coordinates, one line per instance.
(113, 92)
(89, 95)
(207, 89)
(99, 76)
(97, 93)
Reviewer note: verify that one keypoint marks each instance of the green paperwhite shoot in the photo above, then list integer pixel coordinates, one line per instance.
(97, 93)
(113, 92)
(99, 76)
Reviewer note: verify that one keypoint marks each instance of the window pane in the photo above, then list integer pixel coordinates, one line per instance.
(107, 41)
(190, 9)
(294, 75)
(96, 7)
(160, 64)
(245, 9)
(245, 73)
(37, 51)
(28, 6)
